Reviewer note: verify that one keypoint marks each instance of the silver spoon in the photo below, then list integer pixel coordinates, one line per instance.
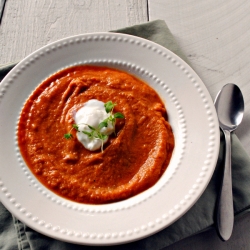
(229, 105)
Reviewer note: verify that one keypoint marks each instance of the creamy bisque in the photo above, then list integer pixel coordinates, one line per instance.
(131, 162)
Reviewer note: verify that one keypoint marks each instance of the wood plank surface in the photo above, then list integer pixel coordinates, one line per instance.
(29, 25)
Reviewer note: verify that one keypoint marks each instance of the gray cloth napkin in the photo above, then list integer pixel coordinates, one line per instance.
(15, 235)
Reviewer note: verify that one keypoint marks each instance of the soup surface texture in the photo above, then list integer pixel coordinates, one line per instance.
(131, 161)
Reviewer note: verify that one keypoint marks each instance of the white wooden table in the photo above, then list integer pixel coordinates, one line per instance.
(213, 34)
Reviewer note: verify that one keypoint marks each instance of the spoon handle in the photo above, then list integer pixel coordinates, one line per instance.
(225, 213)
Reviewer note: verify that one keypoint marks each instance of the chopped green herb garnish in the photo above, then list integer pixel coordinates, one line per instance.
(68, 136)
(118, 115)
(109, 106)
(75, 126)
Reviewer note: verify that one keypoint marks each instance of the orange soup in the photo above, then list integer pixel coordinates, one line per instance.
(132, 160)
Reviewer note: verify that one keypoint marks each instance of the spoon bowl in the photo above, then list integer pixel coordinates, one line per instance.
(229, 105)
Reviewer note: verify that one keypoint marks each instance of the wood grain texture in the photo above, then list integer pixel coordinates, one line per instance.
(2, 5)
(215, 36)
(29, 25)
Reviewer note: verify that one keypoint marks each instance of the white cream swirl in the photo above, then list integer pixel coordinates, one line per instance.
(92, 113)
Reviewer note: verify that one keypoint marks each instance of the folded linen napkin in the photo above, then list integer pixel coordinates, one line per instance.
(15, 235)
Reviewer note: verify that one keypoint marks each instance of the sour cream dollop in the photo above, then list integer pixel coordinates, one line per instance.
(92, 113)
